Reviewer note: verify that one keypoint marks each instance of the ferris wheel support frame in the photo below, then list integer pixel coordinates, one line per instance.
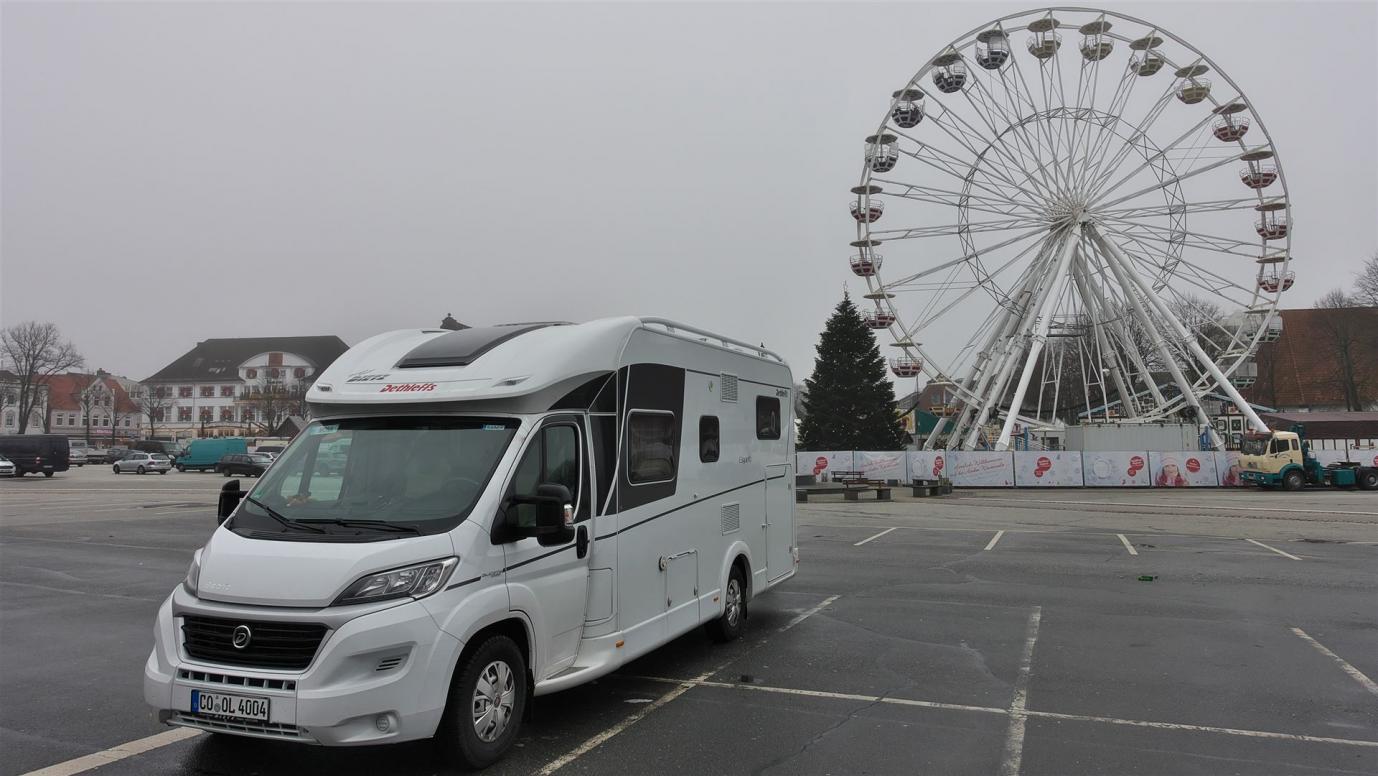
(1083, 287)
(1043, 320)
(1190, 341)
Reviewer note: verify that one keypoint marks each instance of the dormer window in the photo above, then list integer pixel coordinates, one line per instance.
(252, 374)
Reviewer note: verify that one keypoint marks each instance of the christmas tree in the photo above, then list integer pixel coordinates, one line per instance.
(850, 403)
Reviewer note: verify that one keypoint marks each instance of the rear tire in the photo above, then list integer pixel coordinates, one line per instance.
(139, 470)
(1368, 479)
(116, 468)
(1293, 481)
(732, 622)
(181, 468)
(164, 471)
(496, 663)
(47, 474)
(225, 472)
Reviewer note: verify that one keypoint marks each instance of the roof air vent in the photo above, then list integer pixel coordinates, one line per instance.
(463, 347)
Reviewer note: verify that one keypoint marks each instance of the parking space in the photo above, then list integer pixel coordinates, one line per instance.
(913, 639)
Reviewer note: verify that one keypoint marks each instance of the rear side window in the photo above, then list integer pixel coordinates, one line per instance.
(708, 438)
(767, 417)
(650, 447)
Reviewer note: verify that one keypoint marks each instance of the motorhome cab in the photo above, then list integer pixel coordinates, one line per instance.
(481, 516)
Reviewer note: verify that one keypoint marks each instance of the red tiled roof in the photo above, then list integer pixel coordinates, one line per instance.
(1302, 369)
(64, 392)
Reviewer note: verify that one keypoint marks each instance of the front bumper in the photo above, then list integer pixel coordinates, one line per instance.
(379, 677)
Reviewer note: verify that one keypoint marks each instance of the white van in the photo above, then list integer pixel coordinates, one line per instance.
(477, 517)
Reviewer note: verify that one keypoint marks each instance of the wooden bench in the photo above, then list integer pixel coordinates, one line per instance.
(938, 487)
(848, 477)
(849, 492)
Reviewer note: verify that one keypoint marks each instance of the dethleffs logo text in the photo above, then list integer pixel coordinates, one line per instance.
(406, 387)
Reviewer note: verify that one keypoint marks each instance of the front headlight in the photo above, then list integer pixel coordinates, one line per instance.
(193, 573)
(408, 582)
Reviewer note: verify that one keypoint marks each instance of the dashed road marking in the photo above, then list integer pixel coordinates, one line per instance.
(1354, 673)
(873, 538)
(1014, 738)
(1127, 545)
(994, 539)
(1273, 549)
(683, 686)
(1267, 734)
(116, 753)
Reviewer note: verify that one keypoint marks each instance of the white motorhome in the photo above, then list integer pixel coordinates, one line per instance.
(476, 517)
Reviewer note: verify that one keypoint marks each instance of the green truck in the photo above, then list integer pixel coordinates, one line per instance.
(1283, 459)
(203, 454)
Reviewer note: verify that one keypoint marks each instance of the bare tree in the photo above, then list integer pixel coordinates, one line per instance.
(152, 407)
(87, 399)
(36, 352)
(1366, 286)
(1346, 329)
(272, 402)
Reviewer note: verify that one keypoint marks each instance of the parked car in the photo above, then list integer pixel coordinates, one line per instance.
(139, 462)
(96, 455)
(248, 465)
(203, 454)
(6, 467)
(47, 453)
(113, 454)
(170, 449)
(77, 455)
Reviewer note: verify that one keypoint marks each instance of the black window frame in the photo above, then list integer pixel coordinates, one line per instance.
(779, 418)
(716, 437)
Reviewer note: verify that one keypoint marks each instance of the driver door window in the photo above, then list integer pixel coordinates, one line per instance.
(552, 457)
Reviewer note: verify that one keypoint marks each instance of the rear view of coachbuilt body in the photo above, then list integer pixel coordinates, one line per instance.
(475, 518)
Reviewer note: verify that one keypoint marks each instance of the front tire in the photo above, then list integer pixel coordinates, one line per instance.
(487, 701)
(181, 468)
(139, 470)
(47, 474)
(1293, 481)
(115, 468)
(732, 622)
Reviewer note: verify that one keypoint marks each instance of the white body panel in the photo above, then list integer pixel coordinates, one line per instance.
(657, 558)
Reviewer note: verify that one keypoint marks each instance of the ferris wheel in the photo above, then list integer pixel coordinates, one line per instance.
(1099, 231)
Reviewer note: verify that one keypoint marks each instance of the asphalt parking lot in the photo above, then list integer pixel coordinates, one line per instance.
(992, 632)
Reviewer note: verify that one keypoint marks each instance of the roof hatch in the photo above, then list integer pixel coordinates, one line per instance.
(463, 347)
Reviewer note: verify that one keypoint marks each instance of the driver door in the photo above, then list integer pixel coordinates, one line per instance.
(549, 582)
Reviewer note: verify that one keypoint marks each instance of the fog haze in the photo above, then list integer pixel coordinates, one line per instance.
(178, 172)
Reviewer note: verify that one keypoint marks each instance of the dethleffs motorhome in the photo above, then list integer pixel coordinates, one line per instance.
(479, 516)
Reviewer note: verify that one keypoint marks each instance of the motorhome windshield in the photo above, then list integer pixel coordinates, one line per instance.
(376, 477)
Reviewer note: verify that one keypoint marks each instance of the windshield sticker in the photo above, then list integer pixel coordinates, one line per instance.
(406, 387)
(494, 427)
(323, 429)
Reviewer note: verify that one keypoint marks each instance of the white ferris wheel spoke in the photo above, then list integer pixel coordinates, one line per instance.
(960, 259)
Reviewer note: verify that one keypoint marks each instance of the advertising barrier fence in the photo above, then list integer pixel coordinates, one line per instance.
(1050, 468)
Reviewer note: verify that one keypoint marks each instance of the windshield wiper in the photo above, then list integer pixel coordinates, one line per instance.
(273, 513)
(377, 525)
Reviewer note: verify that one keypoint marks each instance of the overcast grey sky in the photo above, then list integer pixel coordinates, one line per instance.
(178, 172)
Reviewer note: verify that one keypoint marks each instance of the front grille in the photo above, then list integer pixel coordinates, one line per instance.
(237, 681)
(288, 646)
(242, 726)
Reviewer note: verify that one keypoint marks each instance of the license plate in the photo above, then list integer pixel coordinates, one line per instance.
(225, 705)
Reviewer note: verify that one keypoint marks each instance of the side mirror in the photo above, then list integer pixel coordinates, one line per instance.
(230, 495)
(554, 514)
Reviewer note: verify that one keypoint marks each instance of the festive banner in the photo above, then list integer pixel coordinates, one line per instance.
(973, 468)
(1049, 468)
(881, 466)
(1189, 469)
(1227, 469)
(928, 464)
(1115, 470)
(821, 465)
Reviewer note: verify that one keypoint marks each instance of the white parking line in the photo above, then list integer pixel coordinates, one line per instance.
(1273, 549)
(873, 538)
(116, 753)
(1127, 545)
(684, 685)
(1168, 505)
(1354, 673)
(1014, 738)
(1027, 713)
(994, 539)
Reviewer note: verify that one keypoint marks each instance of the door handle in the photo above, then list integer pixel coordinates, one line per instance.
(581, 541)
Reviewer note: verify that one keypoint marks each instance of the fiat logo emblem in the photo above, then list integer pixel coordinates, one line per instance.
(242, 636)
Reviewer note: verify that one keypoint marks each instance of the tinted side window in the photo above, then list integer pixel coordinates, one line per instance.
(767, 417)
(651, 447)
(708, 438)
